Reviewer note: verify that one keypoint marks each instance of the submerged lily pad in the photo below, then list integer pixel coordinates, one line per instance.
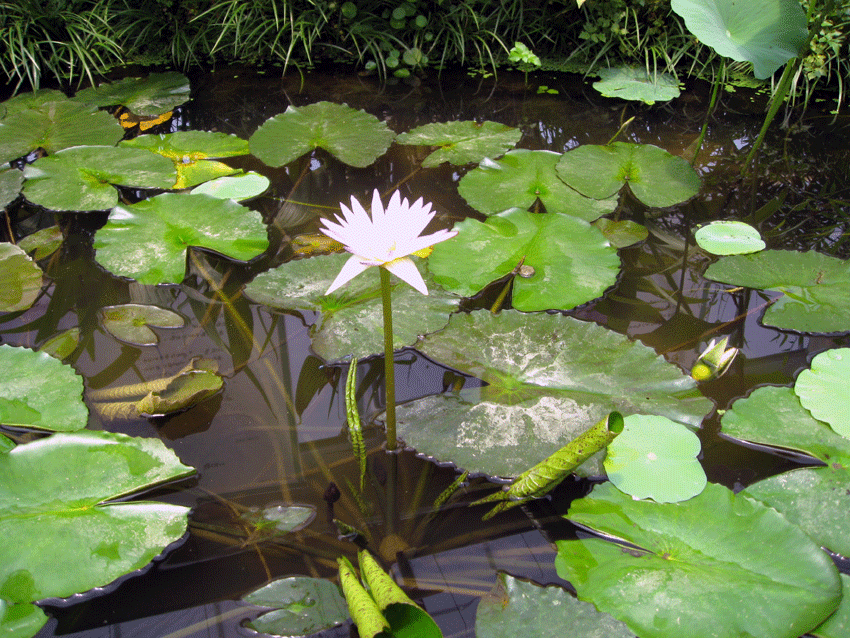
(353, 137)
(571, 261)
(129, 322)
(815, 287)
(720, 565)
(522, 177)
(155, 94)
(630, 83)
(654, 176)
(47, 520)
(462, 142)
(824, 391)
(20, 279)
(550, 378)
(42, 243)
(729, 238)
(148, 241)
(621, 233)
(302, 606)
(38, 391)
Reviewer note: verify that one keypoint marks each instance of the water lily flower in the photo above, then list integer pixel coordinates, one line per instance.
(387, 239)
(714, 361)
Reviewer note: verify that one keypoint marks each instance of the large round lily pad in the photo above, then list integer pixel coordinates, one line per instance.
(353, 137)
(824, 391)
(462, 142)
(155, 94)
(148, 241)
(630, 83)
(63, 536)
(522, 177)
(20, 279)
(718, 565)
(550, 379)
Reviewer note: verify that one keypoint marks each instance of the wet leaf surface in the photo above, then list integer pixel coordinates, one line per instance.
(462, 142)
(629, 83)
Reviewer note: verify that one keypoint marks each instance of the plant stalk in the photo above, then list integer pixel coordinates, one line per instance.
(389, 359)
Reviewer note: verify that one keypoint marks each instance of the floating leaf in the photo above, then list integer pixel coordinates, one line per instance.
(767, 33)
(38, 391)
(550, 377)
(82, 178)
(729, 238)
(462, 142)
(30, 100)
(837, 625)
(20, 621)
(654, 176)
(238, 187)
(824, 391)
(63, 344)
(815, 287)
(129, 322)
(621, 233)
(148, 241)
(20, 279)
(571, 261)
(47, 520)
(303, 606)
(353, 137)
(721, 565)
(42, 243)
(155, 94)
(11, 180)
(651, 450)
(630, 83)
(521, 178)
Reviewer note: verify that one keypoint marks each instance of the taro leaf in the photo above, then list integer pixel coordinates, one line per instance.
(542, 612)
(522, 177)
(630, 83)
(42, 243)
(550, 378)
(54, 126)
(238, 187)
(655, 458)
(824, 391)
(352, 320)
(20, 621)
(148, 241)
(129, 322)
(729, 238)
(353, 137)
(191, 152)
(572, 262)
(289, 518)
(47, 520)
(11, 180)
(20, 279)
(157, 93)
(767, 33)
(302, 606)
(82, 178)
(718, 564)
(38, 391)
(621, 233)
(816, 287)
(655, 177)
(815, 498)
(837, 625)
(462, 142)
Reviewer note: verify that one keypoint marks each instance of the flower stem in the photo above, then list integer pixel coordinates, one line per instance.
(389, 359)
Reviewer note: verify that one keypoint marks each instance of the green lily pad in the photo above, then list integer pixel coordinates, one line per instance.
(82, 178)
(522, 177)
(543, 612)
(47, 520)
(20, 621)
(42, 243)
(30, 100)
(649, 451)
(155, 94)
(40, 392)
(815, 287)
(837, 625)
(63, 344)
(353, 137)
(462, 142)
(550, 378)
(238, 187)
(302, 606)
(767, 33)
(11, 180)
(352, 321)
(54, 126)
(129, 322)
(823, 389)
(630, 83)
(729, 238)
(20, 279)
(654, 176)
(621, 233)
(720, 565)
(570, 261)
(148, 241)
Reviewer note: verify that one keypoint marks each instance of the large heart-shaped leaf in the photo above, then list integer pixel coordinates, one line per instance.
(353, 137)
(521, 178)
(630, 83)
(462, 142)
(155, 94)
(148, 241)
(571, 262)
(20, 279)
(767, 33)
(550, 378)
(720, 565)
(654, 176)
(47, 520)
(815, 287)
(301, 606)
(823, 389)
(38, 391)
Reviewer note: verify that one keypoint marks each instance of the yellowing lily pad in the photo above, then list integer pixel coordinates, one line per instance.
(462, 142)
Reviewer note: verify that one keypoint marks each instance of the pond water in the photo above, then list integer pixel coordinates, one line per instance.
(276, 434)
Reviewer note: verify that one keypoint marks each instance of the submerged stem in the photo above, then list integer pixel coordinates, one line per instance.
(389, 362)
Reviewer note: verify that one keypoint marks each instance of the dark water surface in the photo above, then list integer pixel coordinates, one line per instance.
(276, 434)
